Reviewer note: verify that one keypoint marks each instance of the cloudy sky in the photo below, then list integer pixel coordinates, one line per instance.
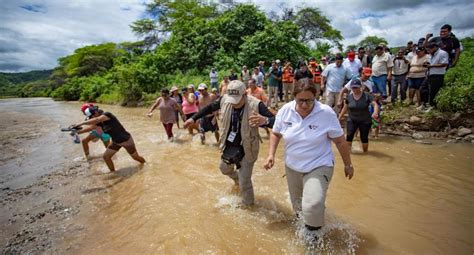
(35, 33)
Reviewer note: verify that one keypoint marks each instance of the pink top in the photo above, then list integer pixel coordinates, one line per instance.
(190, 108)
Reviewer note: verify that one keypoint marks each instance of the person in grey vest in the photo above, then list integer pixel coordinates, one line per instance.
(242, 115)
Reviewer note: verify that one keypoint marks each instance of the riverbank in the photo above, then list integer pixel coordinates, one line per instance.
(407, 121)
(43, 179)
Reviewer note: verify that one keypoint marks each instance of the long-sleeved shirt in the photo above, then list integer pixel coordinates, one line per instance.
(216, 105)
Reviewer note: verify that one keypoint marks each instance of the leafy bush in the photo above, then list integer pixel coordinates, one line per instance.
(458, 92)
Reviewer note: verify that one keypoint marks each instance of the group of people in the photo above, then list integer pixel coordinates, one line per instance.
(355, 85)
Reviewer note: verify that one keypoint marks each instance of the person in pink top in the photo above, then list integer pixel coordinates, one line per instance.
(190, 107)
(167, 107)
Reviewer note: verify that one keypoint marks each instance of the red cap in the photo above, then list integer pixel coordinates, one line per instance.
(367, 71)
(85, 106)
(351, 55)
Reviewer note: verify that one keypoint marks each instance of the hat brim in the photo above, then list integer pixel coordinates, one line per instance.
(234, 99)
(355, 86)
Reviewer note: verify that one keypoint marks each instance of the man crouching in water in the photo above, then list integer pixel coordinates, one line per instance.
(241, 117)
(112, 126)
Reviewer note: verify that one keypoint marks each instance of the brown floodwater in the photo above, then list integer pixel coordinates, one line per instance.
(405, 198)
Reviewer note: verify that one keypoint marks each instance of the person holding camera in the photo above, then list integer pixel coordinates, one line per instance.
(242, 115)
(112, 126)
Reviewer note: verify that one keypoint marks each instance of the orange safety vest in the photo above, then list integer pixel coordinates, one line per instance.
(314, 68)
(287, 76)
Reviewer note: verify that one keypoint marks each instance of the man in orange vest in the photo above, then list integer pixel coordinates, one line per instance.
(316, 70)
(287, 79)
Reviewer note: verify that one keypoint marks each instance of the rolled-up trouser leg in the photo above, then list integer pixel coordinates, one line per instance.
(228, 170)
(245, 182)
(308, 193)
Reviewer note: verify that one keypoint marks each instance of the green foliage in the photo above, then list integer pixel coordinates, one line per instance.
(90, 60)
(236, 23)
(371, 42)
(129, 88)
(33, 83)
(458, 92)
(71, 90)
(276, 41)
(179, 44)
(321, 49)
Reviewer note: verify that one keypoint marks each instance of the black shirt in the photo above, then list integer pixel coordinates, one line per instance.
(114, 128)
(448, 44)
(233, 77)
(236, 117)
(300, 75)
(359, 109)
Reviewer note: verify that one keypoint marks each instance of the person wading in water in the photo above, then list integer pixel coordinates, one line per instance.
(112, 126)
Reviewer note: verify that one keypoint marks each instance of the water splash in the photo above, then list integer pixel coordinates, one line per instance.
(335, 237)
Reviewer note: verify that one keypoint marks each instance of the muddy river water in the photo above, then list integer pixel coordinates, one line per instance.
(405, 197)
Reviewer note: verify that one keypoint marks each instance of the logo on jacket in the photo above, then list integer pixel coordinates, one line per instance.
(289, 124)
(313, 126)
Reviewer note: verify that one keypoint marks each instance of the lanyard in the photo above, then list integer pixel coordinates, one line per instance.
(236, 118)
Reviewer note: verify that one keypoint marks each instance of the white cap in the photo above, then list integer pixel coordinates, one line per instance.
(235, 91)
(202, 86)
(277, 61)
(191, 86)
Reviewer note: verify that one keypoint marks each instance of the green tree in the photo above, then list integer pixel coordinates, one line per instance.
(313, 25)
(321, 49)
(372, 41)
(280, 41)
(238, 22)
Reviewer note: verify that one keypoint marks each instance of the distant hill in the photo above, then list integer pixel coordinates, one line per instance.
(12, 84)
(21, 78)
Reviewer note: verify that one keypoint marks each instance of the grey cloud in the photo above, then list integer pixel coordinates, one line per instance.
(31, 40)
(10, 67)
(373, 22)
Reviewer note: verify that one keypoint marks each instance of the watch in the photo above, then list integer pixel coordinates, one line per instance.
(348, 167)
(266, 121)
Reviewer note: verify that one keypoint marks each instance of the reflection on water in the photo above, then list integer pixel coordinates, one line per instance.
(405, 198)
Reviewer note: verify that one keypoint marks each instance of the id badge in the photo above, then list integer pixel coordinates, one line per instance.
(232, 136)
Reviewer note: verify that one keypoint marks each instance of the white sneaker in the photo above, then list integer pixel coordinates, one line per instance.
(428, 109)
(421, 108)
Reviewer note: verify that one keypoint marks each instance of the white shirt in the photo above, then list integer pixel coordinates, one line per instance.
(258, 78)
(335, 77)
(352, 66)
(213, 76)
(368, 84)
(380, 64)
(307, 141)
(399, 66)
(439, 57)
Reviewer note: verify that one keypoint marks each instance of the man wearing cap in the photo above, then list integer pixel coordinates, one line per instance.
(352, 64)
(332, 80)
(381, 70)
(436, 70)
(241, 117)
(208, 122)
